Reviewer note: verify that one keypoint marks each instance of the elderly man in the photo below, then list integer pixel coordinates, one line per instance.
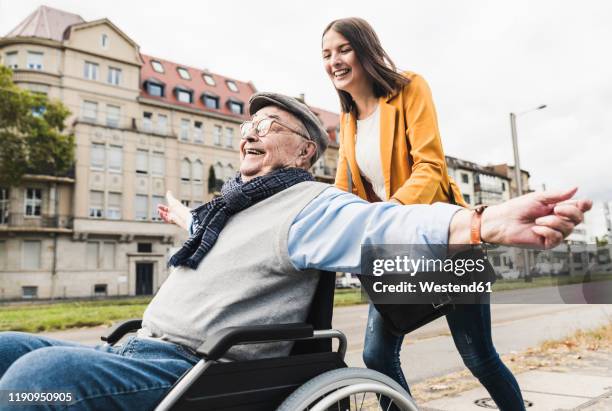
(254, 257)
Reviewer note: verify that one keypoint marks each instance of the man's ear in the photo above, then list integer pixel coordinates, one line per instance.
(308, 152)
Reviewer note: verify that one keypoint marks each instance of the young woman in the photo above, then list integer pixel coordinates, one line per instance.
(390, 142)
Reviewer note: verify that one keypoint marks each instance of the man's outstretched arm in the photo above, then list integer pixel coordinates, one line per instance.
(329, 232)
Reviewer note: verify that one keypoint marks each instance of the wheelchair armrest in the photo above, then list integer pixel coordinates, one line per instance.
(217, 344)
(118, 331)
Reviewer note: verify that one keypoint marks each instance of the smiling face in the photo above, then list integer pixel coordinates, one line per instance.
(342, 64)
(279, 148)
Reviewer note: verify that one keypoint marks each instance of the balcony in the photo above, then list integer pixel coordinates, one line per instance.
(45, 222)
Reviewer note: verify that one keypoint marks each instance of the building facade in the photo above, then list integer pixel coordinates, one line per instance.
(478, 184)
(143, 126)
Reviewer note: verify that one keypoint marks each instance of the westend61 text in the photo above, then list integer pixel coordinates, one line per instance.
(432, 287)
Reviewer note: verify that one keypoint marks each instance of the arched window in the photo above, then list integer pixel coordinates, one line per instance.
(185, 170)
(198, 170)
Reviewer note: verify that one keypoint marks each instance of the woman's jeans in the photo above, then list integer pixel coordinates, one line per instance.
(470, 326)
(133, 376)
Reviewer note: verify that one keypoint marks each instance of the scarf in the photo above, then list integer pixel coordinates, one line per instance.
(236, 195)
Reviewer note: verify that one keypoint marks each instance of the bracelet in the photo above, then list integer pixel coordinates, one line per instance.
(475, 225)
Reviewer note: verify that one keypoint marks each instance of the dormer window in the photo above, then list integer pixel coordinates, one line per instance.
(155, 87)
(157, 66)
(208, 79)
(235, 106)
(232, 86)
(184, 95)
(183, 73)
(210, 101)
(104, 41)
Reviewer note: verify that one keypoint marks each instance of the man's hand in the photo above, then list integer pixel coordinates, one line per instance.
(538, 220)
(175, 212)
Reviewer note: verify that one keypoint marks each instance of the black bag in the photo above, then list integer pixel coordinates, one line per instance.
(401, 319)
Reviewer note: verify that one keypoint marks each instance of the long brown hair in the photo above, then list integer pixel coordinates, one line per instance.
(377, 64)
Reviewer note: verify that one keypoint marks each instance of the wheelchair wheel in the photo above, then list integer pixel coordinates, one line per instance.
(349, 389)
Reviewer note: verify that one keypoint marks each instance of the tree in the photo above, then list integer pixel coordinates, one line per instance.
(32, 138)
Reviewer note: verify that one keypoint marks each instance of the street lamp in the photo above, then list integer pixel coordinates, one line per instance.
(517, 172)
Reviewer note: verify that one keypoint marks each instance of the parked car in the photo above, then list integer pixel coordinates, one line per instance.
(347, 280)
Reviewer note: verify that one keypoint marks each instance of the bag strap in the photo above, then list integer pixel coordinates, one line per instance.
(349, 175)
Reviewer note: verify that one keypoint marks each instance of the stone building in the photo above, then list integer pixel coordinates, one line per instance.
(143, 125)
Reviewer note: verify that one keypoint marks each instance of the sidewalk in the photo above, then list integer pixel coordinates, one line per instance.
(572, 374)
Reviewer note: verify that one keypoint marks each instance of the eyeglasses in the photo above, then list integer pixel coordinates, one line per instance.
(263, 126)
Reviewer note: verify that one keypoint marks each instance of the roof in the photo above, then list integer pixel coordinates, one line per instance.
(330, 121)
(469, 165)
(171, 79)
(47, 23)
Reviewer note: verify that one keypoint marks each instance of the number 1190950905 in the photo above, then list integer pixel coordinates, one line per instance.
(8, 397)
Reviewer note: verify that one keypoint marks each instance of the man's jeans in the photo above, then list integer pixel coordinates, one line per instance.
(470, 326)
(133, 376)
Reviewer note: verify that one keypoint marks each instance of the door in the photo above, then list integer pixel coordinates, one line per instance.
(144, 278)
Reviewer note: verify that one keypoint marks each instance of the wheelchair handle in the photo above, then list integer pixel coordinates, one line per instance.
(118, 331)
(219, 343)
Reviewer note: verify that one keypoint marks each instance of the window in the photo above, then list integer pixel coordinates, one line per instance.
(232, 86)
(29, 291)
(93, 255)
(465, 178)
(157, 66)
(147, 123)
(467, 198)
(210, 101)
(113, 114)
(229, 172)
(108, 255)
(154, 89)
(97, 159)
(115, 158)
(158, 164)
(208, 79)
(503, 186)
(198, 132)
(236, 107)
(113, 210)
(31, 255)
(104, 41)
(144, 248)
(100, 290)
(217, 135)
(184, 134)
(35, 60)
(96, 204)
(10, 60)
(33, 201)
(142, 161)
(114, 76)
(4, 205)
(141, 207)
(162, 124)
(229, 137)
(183, 95)
(90, 110)
(198, 170)
(90, 71)
(156, 200)
(183, 73)
(185, 170)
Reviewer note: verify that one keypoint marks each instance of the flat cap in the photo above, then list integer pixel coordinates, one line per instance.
(311, 122)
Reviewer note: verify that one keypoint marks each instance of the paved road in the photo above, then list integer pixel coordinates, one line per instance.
(430, 352)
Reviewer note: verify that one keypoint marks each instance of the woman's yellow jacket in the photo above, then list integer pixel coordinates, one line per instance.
(411, 151)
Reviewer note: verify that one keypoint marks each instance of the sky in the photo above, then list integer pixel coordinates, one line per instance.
(482, 60)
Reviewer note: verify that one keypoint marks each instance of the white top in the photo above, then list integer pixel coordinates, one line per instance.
(367, 152)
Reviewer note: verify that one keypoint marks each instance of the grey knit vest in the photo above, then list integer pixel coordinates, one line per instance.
(247, 278)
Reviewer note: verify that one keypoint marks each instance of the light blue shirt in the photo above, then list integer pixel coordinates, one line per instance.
(328, 233)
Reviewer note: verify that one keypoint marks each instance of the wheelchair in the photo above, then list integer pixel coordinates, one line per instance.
(313, 377)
